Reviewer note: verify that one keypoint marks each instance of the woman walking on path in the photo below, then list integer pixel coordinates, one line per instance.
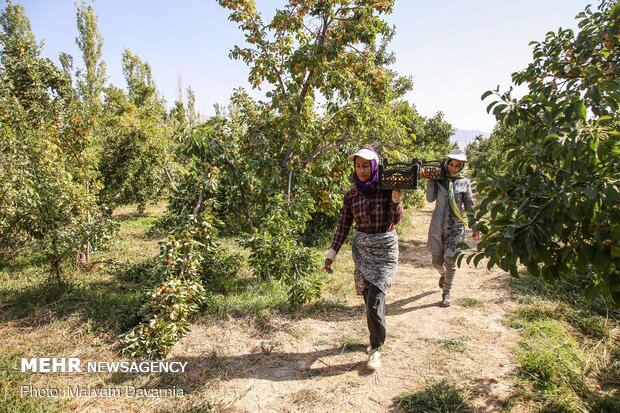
(452, 197)
(375, 246)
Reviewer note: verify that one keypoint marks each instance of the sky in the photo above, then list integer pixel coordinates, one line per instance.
(454, 50)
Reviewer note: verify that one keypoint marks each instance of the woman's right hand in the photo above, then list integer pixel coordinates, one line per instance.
(328, 266)
(422, 173)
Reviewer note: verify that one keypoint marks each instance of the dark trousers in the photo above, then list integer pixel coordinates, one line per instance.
(375, 315)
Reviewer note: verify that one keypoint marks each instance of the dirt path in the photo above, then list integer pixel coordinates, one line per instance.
(316, 362)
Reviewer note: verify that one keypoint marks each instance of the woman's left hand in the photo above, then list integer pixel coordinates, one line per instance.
(475, 234)
(328, 265)
(397, 196)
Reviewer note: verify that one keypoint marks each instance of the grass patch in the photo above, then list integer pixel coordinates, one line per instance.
(10, 398)
(105, 301)
(470, 302)
(536, 311)
(189, 406)
(245, 295)
(251, 300)
(455, 344)
(567, 351)
(551, 357)
(353, 344)
(441, 397)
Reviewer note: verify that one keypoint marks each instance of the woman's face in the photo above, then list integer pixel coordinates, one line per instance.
(454, 167)
(363, 169)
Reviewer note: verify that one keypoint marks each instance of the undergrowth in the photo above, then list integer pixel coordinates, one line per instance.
(568, 351)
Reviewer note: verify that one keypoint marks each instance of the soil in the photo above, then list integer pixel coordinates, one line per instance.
(315, 360)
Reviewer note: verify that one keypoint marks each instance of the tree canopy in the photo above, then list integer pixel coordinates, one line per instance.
(552, 203)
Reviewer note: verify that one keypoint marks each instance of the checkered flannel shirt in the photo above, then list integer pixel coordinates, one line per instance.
(373, 212)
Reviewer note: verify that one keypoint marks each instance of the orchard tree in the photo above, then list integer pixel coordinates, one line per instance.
(556, 209)
(433, 135)
(136, 148)
(44, 139)
(266, 167)
(486, 156)
(224, 170)
(192, 115)
(176, 117)
(141, 88)
(275, 169)
(90, 80)
(330, 90)
(311, 52)
(183, 115)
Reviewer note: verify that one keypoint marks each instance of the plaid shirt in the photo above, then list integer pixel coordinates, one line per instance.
(373, 213)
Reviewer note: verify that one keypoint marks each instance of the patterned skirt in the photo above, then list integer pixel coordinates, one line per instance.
(456, 235)
(376, 259)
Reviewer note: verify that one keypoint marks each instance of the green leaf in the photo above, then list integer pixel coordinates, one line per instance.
(595, 95)
(491, 263)
(603, 119)
(513, 270)
(499, 109)
(469, 258)
(590, 193)
(534, 270)
(478, 258)
(490, 106)
(486, 95)
(504, 264)
(530, 246)
(611, 194)
(600, 260)
(584, 111)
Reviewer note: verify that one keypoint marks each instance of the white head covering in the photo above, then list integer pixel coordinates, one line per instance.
(365, 153)
(458, 155)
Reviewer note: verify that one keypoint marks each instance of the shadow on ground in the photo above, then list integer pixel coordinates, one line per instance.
(263, 364)
(109, 304)
(325, 311)
(413, 252)
(402, 306)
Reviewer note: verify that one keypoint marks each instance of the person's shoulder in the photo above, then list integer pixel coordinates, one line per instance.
(353, 191)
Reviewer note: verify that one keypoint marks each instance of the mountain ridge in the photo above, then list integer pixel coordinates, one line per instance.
(463, 137)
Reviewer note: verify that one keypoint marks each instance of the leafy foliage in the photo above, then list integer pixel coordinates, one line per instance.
(277, 254)
(47, 195)
(440, 397)
(190, 260)
(135, 147)
(90, 81)
(309, 52)
(555, 206)
(165, 318)
(486, 156)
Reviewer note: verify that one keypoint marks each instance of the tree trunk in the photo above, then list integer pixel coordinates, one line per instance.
(290, 180)
(57, 272)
